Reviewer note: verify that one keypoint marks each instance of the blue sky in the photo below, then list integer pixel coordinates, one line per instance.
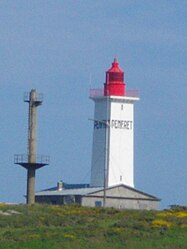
(61, 48)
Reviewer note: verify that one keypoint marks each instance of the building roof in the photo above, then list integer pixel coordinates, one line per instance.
(69, 189)
(85, 190)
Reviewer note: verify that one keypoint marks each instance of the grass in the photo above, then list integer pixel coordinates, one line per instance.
(69, 227)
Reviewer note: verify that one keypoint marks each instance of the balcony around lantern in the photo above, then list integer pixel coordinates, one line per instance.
(99, 92)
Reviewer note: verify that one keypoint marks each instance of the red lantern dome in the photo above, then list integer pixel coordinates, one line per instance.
(114, 84)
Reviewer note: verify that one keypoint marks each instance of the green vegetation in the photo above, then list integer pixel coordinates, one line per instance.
(69, 227)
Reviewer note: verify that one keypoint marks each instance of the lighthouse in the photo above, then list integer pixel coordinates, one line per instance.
(113, 131)
(112, 167)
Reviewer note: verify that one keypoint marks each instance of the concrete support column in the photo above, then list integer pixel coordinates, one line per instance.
(33, 103)
(32, 127)
(31, 185)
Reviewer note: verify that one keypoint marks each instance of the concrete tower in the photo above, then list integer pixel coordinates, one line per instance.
(113, 133)
(32, 161)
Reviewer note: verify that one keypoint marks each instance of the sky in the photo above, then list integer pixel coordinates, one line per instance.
(62, 48)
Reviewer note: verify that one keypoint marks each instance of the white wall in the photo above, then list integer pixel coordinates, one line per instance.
(120, 142)
(121, 203)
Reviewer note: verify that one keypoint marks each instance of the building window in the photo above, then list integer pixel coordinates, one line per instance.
(98, 204)
(69, 199)
(121, 107)
(120, 178)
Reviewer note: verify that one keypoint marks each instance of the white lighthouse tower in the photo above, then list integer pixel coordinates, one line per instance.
(113, 133)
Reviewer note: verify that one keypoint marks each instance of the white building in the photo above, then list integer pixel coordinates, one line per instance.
(120, 196)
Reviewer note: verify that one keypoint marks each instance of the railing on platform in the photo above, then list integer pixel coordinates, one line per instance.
(38, 97)
(99, 92)
(132, 93)
(23, 158)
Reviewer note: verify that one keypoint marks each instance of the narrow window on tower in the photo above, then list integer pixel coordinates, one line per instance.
(121, 107)
(120, 178)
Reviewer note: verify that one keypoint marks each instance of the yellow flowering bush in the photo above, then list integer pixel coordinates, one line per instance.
(2, 205)
(181, 214)
(165, 214)
(161, 223)
(69, 236)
